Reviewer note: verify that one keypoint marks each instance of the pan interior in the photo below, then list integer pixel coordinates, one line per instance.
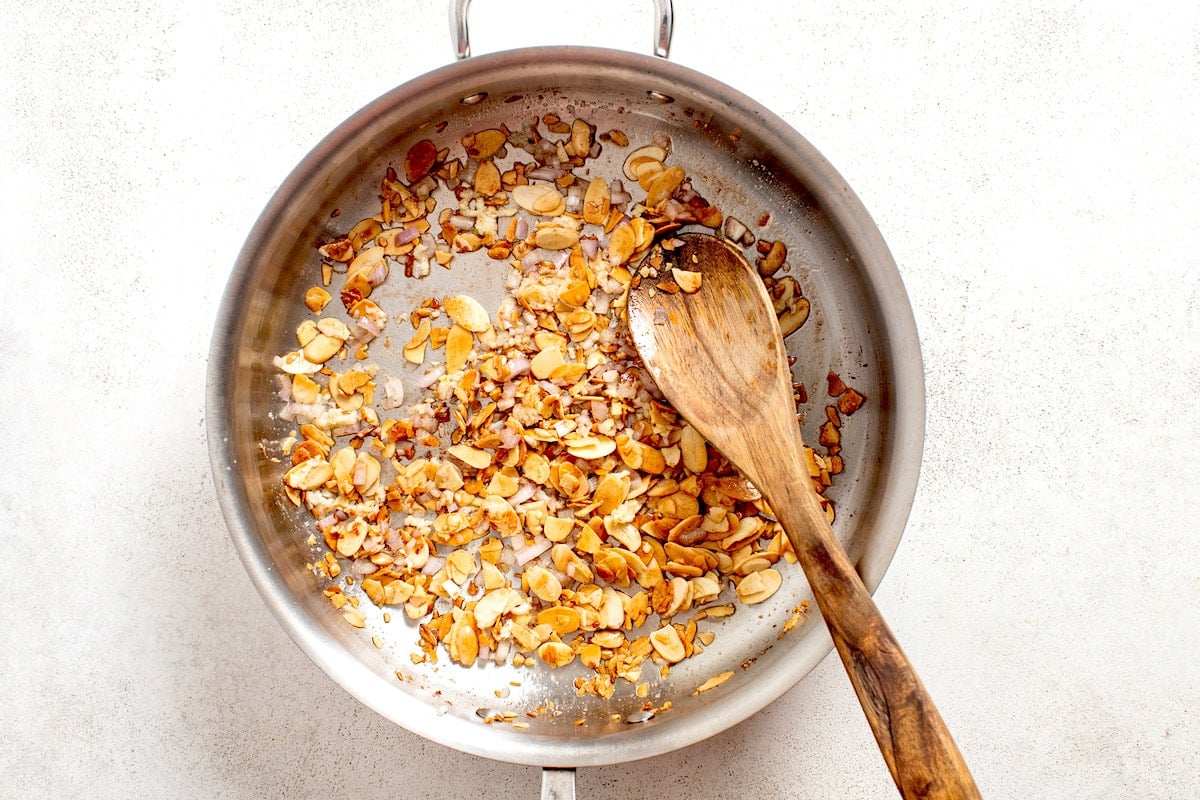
(744, 160)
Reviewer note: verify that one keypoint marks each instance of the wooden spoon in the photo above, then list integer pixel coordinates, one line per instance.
(718, 356)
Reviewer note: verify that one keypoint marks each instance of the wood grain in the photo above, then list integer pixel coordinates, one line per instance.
(718, 356)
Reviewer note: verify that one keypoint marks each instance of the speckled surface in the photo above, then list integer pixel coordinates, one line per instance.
(1033, 169)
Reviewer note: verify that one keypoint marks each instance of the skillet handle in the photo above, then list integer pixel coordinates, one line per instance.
(664, 16)
(558, 783)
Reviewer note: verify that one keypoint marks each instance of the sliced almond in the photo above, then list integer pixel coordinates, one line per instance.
(543, 583)
(471, 456)
(557, 529)
(487, 179)
(305, 389)
(562, 619)
(365, 231)
(500, 515)
(308, 475)
(664, 185)
(758, 586)
(652, 152)
(556, 237)
(693, 449)
(556, 654)
(333, 327)
(591, 447)
(458, 348)
(621, 245)
(545, 362)
(581, 138)
(597, 202)
(667, 644)
(689, 282)
(575, 294)
(316, 299)
(538, 199)
(713, 682)
(460, 566)
(322, 348)
(467, 312)
(647, 169)
(306, 331)
(484, 144)
(792, 318)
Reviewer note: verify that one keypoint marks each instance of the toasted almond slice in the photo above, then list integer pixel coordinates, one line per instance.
(415, 353)
(489, 607)
(644, 231)
(294, 364)
(536, 468)
(484, 144)
(556, 654)
(543, 340)
(458, 348)
(352, 538)
(557, 529)
(562, 619)
(306, 331)
(647, 169)
(543, 583)
(305, 389)
(621, 245)
(316, 299)
(545, 362)
(532, 197)
(501, 515)
(339, 250)
(550, 204)
(556, 237)
(569, 373)
(467, 312)
(664, 185)
(689, 282)
(581, 138)
(471, 456)
(612, 609)
(363, 232)
(713, 682)
(333, 327)
(308, 475)
(322, 348)
(667, 644)
(693, 449)
(462, 643)
(364, 264)
(590, 447)
(576, 293)
(758, 586)
(611, 491)
(487, 179)
(792, 318)
(597, 202)
(460, 566)
(652, 152)
(421, 334)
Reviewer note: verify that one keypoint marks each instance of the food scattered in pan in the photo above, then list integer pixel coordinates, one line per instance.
(535, 500)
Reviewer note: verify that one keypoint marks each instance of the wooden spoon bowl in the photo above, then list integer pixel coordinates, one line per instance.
(718, 355)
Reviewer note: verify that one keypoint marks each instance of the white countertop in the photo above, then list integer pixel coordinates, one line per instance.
(1034, 171)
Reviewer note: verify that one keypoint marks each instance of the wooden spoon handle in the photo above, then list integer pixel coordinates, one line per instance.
(918, 748)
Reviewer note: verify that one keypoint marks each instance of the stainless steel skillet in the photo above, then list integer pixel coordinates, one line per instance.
(746, 160)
